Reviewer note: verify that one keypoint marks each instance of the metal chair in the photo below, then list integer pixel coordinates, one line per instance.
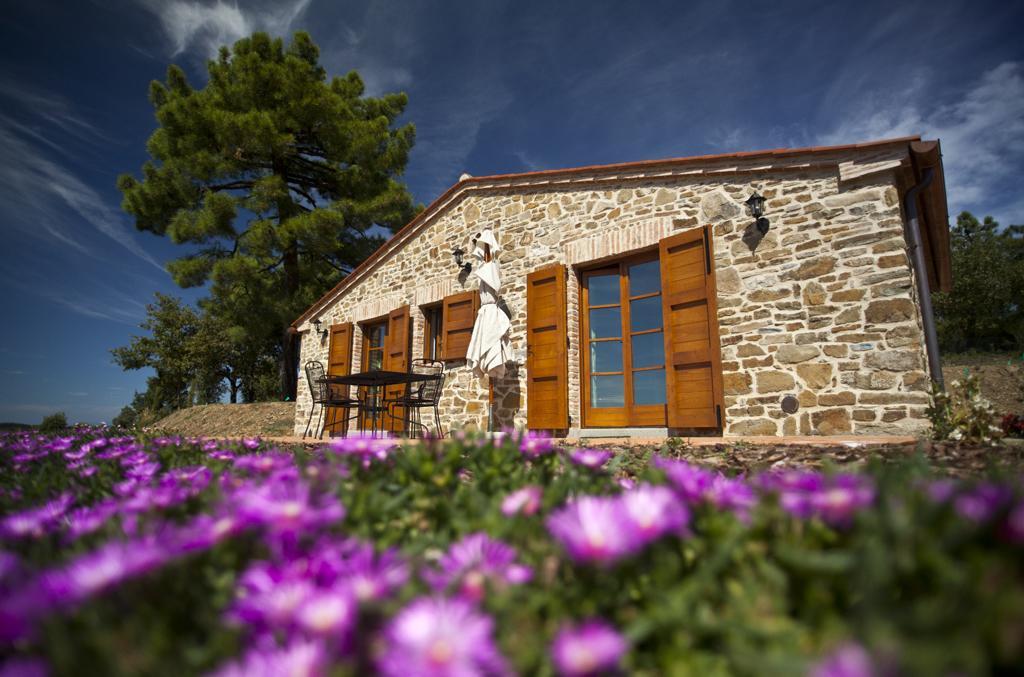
(322, 393)
(422, 395)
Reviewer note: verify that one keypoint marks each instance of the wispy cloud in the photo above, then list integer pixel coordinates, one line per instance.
(36, 189)
(99, 301)
(981, 130)
(205, 26)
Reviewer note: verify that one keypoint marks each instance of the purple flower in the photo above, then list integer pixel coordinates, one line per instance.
(473, 561)
(594, 529)
(690, 482)
(841, 498)
(533, 445)
(22, 666)
(88, 519)
(525, 500)
(941, 490)
(982, 502)
(371, 576)
(590, 458)
(328, 612)
(591, 648)
(101, 569)
(287, 505)
(654, 511)
(434, 636)
(849, 660)
(732, 494)
(363, 446)
(264, 463)
(36, 521)
(269, 597)
(298, 659)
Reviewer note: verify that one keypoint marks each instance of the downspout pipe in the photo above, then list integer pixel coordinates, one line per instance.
(924, 293)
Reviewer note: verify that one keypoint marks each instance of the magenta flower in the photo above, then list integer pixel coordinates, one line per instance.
(23, 666)
(264, 463)
(841, 498)
(589, 649)
(590, 458)
(328, 612)
(106, 567)
(654, 511)
(36, 521)
(475, 560)
(982, 502)
(690, 482)
(269, 598)
(525, 501)
(363, 446)
(594, 529)
(298, 659)
(372, 576)
(849, 660)
(434, 636)
(533, 445)
(88, 519)
(287, 505)
(732, 494)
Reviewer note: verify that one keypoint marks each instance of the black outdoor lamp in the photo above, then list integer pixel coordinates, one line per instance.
(317, 326)
(755, 203)
(459, 253)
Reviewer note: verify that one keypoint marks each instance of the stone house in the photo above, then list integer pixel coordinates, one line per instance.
(645, 299)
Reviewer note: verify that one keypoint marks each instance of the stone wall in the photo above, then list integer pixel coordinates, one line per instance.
(822, 307)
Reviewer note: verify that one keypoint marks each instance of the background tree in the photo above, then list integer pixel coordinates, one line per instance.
(985, 309)
(181, 377)
(275, 174)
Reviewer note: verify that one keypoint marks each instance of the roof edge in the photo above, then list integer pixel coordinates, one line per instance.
(468, 181)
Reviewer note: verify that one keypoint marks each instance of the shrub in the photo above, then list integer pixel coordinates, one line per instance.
(54, 424)
(1013, 425)
(962, 414)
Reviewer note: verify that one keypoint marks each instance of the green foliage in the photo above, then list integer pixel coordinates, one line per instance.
(54, 424)
(962, 414)
(984, 311)
(275, 176)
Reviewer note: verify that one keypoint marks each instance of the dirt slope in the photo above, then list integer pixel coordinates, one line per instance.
(230, 420)
(1001, 376)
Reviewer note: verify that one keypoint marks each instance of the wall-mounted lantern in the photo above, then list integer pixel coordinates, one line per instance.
(458, 253)
(755, 203)
(317, 326)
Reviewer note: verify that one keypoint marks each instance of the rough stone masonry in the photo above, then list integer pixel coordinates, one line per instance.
(822, 307)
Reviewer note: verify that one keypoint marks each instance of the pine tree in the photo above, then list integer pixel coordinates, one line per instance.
(274, 174)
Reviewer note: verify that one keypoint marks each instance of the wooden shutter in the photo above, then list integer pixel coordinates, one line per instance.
(339, 363)
(397, 347)
(458, 314)
(693, 357)
(547, 354)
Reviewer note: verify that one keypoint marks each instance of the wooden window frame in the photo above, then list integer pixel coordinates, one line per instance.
(629, 415)
(449, 353)
(433, 346)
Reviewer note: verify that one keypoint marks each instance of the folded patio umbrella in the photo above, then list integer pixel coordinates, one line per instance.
(489, 348)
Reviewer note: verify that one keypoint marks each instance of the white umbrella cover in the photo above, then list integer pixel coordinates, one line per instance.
(489, 347)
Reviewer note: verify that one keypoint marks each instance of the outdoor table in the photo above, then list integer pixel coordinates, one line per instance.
(375, 379)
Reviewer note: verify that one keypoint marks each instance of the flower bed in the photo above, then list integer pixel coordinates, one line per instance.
(173, 556)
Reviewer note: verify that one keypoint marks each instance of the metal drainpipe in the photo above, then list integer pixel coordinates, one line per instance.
(924, 294)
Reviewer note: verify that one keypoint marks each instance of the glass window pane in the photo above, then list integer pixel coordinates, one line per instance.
(649, 387)
(376, 360)
(645, 314)
(648, 350)
(607, 391)
(606, 356)
(644, 278)
(604, 289)
(605, 323)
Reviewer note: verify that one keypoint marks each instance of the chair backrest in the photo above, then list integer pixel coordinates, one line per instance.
(317, 380)
(429, 390)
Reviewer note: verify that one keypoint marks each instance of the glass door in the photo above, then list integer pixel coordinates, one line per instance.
(624, 351)
(374, 337)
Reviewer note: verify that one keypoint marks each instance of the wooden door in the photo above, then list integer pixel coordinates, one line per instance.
(547, 354)
(397, 347)
(692, 349)
(339, 363)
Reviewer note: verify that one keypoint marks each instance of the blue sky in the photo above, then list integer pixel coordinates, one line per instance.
(494, 86)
